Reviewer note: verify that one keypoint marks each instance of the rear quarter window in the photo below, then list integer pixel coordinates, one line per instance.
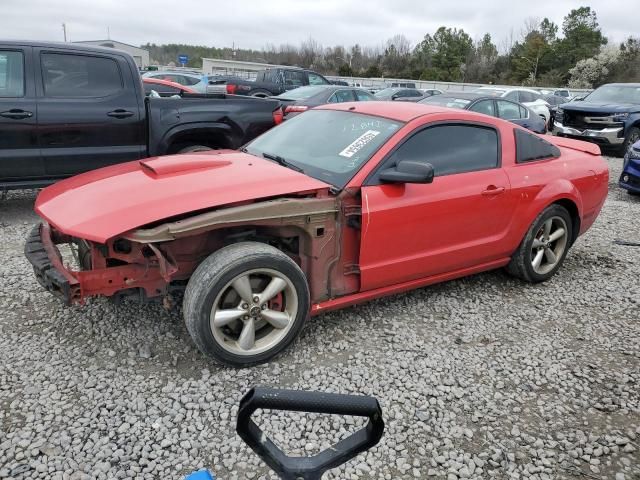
(531, 147)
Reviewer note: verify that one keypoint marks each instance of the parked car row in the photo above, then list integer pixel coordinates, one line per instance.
(489, 105)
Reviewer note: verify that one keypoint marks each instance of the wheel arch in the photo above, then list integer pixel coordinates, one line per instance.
(561, 192)
(214, 135)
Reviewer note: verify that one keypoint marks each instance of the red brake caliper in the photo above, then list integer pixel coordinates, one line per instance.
(276, 303)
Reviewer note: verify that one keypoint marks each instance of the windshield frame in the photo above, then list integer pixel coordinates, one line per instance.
(339, 180)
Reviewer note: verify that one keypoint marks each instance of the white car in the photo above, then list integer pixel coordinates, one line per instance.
(527, 97)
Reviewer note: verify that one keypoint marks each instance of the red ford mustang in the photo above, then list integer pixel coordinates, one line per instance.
(340, 205)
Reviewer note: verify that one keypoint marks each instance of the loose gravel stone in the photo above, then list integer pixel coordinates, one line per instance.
(483, 377)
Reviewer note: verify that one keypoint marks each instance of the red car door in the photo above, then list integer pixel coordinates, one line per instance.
(462, 219)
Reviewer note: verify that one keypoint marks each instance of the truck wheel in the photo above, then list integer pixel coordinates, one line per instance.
(544, 247)
(195, 148)
(260, 93)
(633, 135)
(246, 303)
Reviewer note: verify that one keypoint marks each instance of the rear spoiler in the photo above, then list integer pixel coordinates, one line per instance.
(573, 144)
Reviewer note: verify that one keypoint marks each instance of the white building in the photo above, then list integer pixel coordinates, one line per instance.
(140, 55)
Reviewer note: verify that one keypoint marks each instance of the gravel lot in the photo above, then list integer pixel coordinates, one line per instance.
(484, 377)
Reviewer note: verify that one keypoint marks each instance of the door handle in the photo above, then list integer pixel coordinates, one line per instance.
(120, 113)
(16, 114)
(492, 190)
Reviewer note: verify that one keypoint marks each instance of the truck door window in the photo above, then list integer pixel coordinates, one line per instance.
(73, 76)
(11, 74)
(315, 79)
(294, 78)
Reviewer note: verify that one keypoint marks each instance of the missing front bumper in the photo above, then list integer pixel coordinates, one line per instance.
(47, 264)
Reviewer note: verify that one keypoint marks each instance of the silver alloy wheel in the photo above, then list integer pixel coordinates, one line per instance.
(254, 311)
(549, 245)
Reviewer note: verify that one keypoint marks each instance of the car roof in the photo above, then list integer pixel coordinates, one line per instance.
(509, 89)
(399, 111)
(465, 95)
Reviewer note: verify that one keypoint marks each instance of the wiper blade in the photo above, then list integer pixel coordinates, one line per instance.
(282, 161)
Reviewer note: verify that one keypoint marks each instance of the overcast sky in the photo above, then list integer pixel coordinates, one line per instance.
(255, 23)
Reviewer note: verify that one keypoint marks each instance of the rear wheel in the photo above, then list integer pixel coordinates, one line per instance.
(246, 303)
(544, 247)
(260, 93)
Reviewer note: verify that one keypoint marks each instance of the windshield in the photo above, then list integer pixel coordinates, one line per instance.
(326, 144)
(615, 94)
(450, 102)
(301, 93)
(386, 93)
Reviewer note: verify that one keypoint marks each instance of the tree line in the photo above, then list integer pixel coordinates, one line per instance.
(576, 54)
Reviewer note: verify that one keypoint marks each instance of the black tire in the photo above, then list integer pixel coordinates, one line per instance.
(521, 261)
(260, 93)
(213, 276)
(195, 148)
(633, 135)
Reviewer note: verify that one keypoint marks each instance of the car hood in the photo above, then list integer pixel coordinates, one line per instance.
(108, 202)
(600, 107)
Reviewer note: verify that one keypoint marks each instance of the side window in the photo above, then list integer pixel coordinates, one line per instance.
(451, 149)
(293, 78)
(78, 76)
(362, 96)
(508, 110)
(11, 74)
(524, 113)
(512, 95)
(484, 106)
(527, 97)
(341, 96)
(189, 81)
(315, 79)
(416, 93)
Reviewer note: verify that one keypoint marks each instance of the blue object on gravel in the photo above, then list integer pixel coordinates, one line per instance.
(201, 475)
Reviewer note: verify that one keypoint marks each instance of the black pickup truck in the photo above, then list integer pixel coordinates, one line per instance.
(69, 108)
(273, 81)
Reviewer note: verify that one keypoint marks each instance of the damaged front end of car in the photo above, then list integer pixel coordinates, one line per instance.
(154, 261)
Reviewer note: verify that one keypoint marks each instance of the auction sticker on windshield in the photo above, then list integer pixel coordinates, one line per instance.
(359, 143)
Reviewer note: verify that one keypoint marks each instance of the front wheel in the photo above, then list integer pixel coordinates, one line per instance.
(633, 135)
(246, 303)
(544, 247)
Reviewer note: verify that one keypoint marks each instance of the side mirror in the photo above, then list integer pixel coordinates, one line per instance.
(395, 97)
(408, 171)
